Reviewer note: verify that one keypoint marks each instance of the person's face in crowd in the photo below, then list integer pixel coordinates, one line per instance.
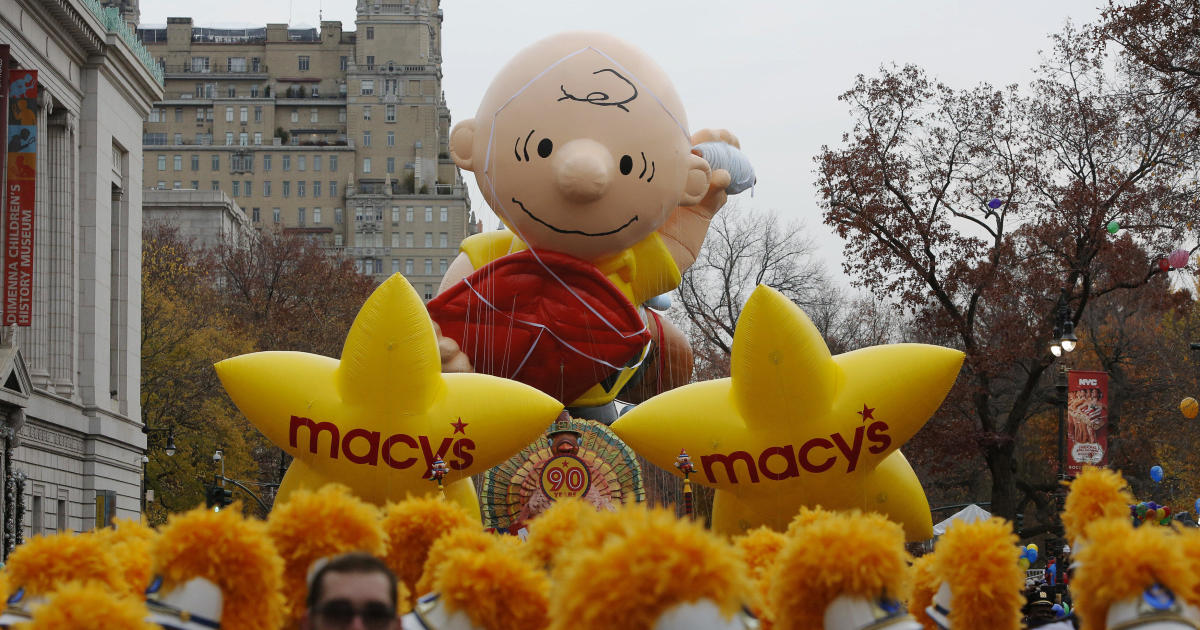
(353, 601)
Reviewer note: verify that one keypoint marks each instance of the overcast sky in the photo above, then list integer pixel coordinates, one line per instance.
(769, 71)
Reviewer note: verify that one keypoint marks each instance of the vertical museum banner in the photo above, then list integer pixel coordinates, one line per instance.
(5, 60)
(18, 197)
(1087, 420)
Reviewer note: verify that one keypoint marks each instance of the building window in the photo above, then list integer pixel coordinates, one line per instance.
(367, 87)
(342, 113)
(391, 138)
(391, 165)
(178, 138)
(395, 239)
(199, 64)
(267, 162)
(389, 85)
(156, 116)
(442, 266)
(36, 515)
(241, 162)
(258, 113)
(429, 239)
(195, 185)
(295, 115)
(300, 217)
(343, 63)
(275, 214)
(195, 162)
(337, 240)
(228, 114)
(442, 238)
(287, 162)
(162, 162)
(366, 138)
(408, 239)
(255, 215)
(216, 185)
(337, 216)
(408, 214)
(300, 188)
(316, 162)
(247, 188)
(303, 62)
(237, 64)
(177, 185)
(243, 139)
(370, 33)
(366, 112)
(316, 215)
(253, 91)
(258, 138)
(395, 265)
(444, 214)
(301, 162)
(313, 114)
(428, 291)
(395, 215)
(429, 215)
(216, 161)
(231, 92)
(287, 189)
(428, 266)
(237, 188)
(370, 62)
(228, 138)
(366, 165)
(333, 163)
(244, 115)
(408, 266)
(333, 189)
(316, 189)
(267, 188)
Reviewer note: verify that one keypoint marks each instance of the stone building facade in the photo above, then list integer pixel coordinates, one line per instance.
(339, 135)
(69, 383)
(207, 218)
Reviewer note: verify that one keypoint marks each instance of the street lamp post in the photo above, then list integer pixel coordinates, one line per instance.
(1064, 342)
(169, 450)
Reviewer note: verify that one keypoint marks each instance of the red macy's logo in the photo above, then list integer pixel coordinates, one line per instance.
(374, 449)
(815, 456)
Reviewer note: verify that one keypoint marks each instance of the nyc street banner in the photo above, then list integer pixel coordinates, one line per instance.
(1087, 420)
(18, 197)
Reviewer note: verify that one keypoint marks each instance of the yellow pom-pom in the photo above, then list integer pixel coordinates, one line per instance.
(1096, 494)
(979, 562)
(924, 585)
(232, 552)
(412, 526)
(553, 529)
(314, 525)
(1122, 563)
(805, 517)
(130, 542)
(652, 564)
(495, 587)
(91, 606)
(459, 539)
(759, 549)
(853, 554)
(43, 563)
(1190, 544)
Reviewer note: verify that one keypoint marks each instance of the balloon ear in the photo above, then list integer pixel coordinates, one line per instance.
(462, 144)
(696, 185)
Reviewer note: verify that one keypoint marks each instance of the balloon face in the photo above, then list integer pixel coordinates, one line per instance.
(581, 146)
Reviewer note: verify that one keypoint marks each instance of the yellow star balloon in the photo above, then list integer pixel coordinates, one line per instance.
(377, 419)
(795, 426)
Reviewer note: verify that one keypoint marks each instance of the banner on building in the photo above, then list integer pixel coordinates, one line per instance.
(5, 60)
(1087, 420)
(19, 197)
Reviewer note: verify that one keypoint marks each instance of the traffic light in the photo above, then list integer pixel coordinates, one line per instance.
(224, 496)
(218, 497)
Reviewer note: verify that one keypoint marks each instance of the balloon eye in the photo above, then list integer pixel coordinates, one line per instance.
(545, 147)
(626, 164)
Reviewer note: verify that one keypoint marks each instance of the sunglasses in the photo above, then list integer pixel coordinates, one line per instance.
(340, 613)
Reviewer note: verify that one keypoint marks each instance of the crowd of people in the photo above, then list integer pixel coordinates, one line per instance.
(326, 560)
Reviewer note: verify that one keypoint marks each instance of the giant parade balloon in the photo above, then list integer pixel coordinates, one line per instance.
(378, 418)
(795, 426)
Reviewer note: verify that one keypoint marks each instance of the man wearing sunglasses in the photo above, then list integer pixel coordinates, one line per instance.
(354, 591)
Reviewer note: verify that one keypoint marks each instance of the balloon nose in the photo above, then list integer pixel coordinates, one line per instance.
(583, 170)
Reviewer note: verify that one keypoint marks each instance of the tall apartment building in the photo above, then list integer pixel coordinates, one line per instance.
(342, 136)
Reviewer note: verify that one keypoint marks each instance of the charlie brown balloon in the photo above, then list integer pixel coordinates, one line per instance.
(581, 146)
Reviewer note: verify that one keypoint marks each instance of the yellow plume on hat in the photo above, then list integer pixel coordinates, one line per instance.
(759, 549)
(456, 540)
(130, 542)
(650, 565)
(1122, 563)
(314, 525)
(232, 552)
(839, 554)
(552, 530)
(89, 606)
(412, 526)
(496, 588)
(924, 585)
(979, 562)
(1096, 494)
(43, 563)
